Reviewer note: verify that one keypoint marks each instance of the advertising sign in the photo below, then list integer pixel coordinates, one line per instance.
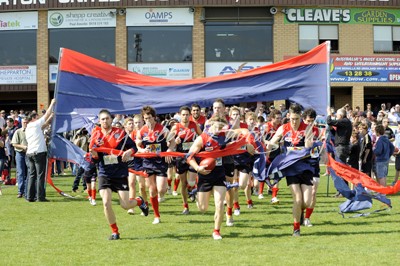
(17, 75)
(365, 69)
(18, 21)
(343, 15)
(83, 18)
(225, 68)
(159, 16)
(177, 71)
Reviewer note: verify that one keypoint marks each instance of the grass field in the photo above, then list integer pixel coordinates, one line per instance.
(72, 232)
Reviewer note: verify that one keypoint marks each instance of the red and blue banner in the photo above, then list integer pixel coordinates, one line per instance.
(85, 85)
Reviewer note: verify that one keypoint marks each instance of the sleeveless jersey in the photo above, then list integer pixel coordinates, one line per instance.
(200, 121)
(156, 142)
(137, 162)
(187, 135)
(270, 131)
(213, 142)
(112, 165)
(244, 158)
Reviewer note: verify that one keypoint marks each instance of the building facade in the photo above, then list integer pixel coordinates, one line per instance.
(182, 39)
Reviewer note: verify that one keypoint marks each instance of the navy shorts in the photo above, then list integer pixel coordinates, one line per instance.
(115, 184)
(136, 164)
(156, 167)
(215, 178)
(304, 179)
(182, 166)
(229, 169)
(244, 168)
(90, 175)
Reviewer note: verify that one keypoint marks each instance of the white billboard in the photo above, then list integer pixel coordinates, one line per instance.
(225, 68)
(19, 20)
(159, 16)
(83, 18)
(177, 71)
(17, 74)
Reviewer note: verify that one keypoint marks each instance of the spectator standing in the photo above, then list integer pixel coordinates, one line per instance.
(392, 117)
(10, 128)
(342, 131)
(21, 145)
(370, 116)
(365, 149)
(383, 149)
(3, 153)
(383, 108)
(354, 151)
(37, 154)
(397, 112)
(118, 119)
(397, 154)
(2, 119)
(260, 111)
(388, 131)
(82, 141)
(282, 108)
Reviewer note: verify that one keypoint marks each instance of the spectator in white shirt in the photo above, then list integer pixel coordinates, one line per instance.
(37, 154)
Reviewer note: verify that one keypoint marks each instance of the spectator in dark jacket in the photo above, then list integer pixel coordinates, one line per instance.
(354, 151)
(342, 129)
(365, 149)
(343, 132)
(382, 149)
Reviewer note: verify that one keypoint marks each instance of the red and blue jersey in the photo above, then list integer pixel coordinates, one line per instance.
(213, 142)
(295, 140)
(111, 165)
(270, 130)
(244, 158)
(155, 141)
(137, 162)
(200, 121)
(186, 134)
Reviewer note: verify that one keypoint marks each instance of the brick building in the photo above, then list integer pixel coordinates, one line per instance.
(191, 38)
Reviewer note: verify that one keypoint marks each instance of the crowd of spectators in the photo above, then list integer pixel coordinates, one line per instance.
(362, 152)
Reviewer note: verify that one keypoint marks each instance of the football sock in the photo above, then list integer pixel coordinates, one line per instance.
(154, 205)
(309, 211)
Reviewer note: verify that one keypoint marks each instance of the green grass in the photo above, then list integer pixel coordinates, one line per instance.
(72, 232)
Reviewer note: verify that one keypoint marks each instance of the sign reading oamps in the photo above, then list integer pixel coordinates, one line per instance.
(158, 15)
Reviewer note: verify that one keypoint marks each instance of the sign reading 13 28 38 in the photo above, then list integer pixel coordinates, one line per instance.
(358, 73)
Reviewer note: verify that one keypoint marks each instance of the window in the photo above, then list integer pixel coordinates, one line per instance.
(164, 44)
(238, 41)
(386, 39)
(313, 35)
(95, 42)
(18, 47)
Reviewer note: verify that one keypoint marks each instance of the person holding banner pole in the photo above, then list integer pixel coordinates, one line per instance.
(37, 154)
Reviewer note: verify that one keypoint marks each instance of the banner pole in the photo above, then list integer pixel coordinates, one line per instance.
(53, 122)
(328, 91)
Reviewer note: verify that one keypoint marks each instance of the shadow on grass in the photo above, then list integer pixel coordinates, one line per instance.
(170, 236)
(341, 233)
